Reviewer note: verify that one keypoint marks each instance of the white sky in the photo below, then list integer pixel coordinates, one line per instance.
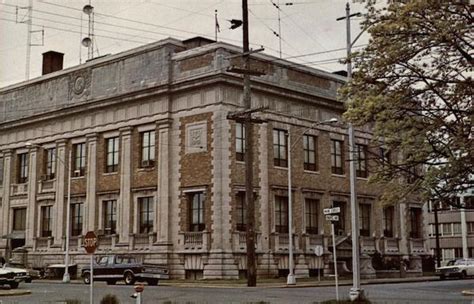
(307, 27)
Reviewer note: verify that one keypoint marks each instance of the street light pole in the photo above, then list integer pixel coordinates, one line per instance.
(67, 277)
(356, 290)
(291, 280)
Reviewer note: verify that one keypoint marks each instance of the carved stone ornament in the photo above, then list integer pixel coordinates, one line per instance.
(196, 137)
(79, 84)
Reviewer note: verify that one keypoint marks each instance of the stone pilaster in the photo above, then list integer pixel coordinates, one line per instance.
(91, 183)
(301, 267)
(5, 208)
(59, 212)
(162, 214)
(403, 229)
(31, 213)
(125, 208)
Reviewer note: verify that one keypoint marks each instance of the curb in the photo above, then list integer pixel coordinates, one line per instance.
(14, 292)
(468, 292)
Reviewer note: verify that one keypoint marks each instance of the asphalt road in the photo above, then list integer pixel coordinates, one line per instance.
(448, 291)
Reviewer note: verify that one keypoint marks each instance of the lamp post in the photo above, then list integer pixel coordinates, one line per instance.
(291, 280)
(66, 276)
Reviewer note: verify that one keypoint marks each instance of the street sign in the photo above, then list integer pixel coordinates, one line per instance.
(90, 242)
(318, 250)
(332, 218)
(332, 210)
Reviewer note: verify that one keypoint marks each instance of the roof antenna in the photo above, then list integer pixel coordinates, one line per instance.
(89, 40)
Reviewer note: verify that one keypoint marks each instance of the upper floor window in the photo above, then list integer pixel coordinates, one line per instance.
(112, 154)
(110, 216)
(22, 168)
(385, 156)
(364, 219)
(197, 222)
(77, 215)
(388, 214)
(310, 154)
(19, 219)
(311, 215)
(46, 221)
(280, 146)
(361, 160)
(50, 163)
(415, 223)
(241, 212)
(79, 151)
(145, 208)
(148, 148)
(337, 165)
(239, 141)
(1, 171)
(281, 214)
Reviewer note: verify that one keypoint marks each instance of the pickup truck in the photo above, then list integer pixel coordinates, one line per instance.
(113, 268)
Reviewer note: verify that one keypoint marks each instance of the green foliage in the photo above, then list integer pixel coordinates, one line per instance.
(413, 84)
(109, 299)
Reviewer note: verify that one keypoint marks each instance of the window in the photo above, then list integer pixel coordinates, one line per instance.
(457, 253)
(281, 214)
(1, 171)
(361, 160)
(415, 222)
(110, 216)
(46, 221)
(19, 219)
(22, 168)
(340, 226)
(77, 214)
(385, 156)
(240, 141)
(280, 144)
(311, 215)
(79, 159)
(446, 229)
(310, 155)
(337, 166)
(364, 219)
(241, 212)
(148, 149)
(50, 163)
(112, 154)
(145, 207)
(412, 174)
(388, 214)
(456, 228)
(470, 227)
(197, 212)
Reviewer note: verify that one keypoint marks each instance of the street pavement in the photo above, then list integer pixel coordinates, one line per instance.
(44, 292)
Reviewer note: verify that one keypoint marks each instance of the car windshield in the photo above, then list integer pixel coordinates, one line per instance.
(450, 263)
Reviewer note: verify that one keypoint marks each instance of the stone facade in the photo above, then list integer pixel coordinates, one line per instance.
(191, 176)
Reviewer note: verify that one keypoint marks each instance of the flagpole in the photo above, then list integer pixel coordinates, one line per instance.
(216, 24)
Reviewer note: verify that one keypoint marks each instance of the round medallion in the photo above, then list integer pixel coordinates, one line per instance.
(79, 85)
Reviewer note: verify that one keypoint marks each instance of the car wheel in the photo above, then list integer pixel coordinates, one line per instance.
(129, 278)
(152, 282)
(463, 275)
(111, 282)
(14, 285)
(86, 277)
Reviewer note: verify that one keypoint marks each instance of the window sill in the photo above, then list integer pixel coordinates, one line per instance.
(281, 168)
(77, 177)
(338, 175)
(109, 173)
(312, 172)
(362, 178)
(145, 169)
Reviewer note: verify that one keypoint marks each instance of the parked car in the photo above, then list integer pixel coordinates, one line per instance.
(460, 268)
(113, 268)
(31, 274)
(21, 274)
(8, 278)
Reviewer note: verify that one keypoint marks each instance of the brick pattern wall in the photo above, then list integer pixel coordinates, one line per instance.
(106, 181)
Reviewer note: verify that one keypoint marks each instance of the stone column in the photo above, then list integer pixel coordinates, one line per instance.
(59, 217)
(5, 208)
(91, 183)
(162, 213)
(403, 229)
(221, 262)
(125, 208)
(31, 213)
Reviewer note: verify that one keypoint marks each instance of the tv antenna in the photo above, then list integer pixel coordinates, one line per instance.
(88, 41)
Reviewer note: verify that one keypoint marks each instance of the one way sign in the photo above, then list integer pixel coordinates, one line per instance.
(332, 210)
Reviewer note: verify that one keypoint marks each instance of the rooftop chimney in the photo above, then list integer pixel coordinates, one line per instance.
(52, 62)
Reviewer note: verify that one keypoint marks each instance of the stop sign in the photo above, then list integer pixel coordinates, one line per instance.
(90, 242)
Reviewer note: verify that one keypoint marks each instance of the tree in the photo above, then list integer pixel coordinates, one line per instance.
(413, 85)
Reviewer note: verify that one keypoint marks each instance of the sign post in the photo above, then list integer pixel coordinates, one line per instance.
(329, 212)
(90, 245)
(319, 250)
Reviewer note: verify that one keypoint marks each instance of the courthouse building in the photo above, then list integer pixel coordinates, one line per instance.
(157, 168)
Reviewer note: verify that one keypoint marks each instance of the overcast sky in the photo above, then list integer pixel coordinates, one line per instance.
(307, 27)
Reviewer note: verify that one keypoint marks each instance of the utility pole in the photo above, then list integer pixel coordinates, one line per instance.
(438, 249)
(246, 117)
